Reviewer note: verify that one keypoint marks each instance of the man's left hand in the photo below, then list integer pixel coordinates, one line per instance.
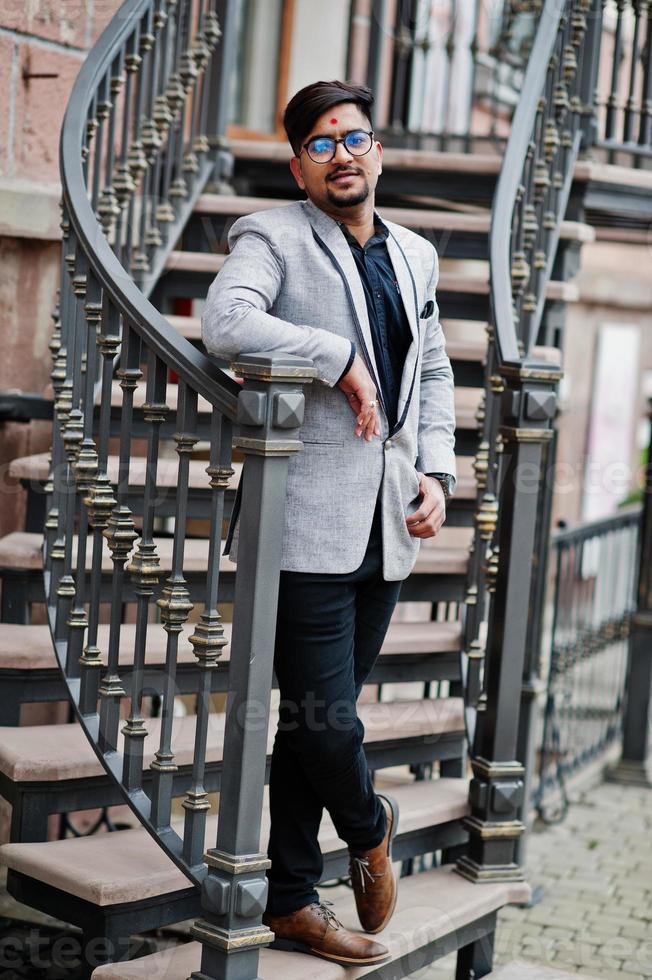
(431, 514)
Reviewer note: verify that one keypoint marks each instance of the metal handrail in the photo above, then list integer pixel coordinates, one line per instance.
(193, 367)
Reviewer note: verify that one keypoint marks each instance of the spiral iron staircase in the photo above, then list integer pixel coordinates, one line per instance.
(149, 439)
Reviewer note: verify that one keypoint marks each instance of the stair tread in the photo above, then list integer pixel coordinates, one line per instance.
(267, 151)
(430, 905)
(36, 468)
(30, 647)
(278, 151)
(466, 340)
(129, 866)
(21, 550)
(26, 755)
(477, 283)
(475, 223)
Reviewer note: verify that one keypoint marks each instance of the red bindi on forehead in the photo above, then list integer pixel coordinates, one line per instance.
(333, 121)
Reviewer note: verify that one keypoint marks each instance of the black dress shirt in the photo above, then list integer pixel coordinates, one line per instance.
(390, 330)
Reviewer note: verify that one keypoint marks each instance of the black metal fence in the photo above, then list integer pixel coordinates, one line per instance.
(594, 598)
(447, 75)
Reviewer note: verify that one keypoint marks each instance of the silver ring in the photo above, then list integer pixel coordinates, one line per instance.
(372, 404)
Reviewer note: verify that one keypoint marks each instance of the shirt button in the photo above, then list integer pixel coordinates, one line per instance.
(388, 444)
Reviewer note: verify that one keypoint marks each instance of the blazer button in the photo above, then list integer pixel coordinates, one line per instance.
(388, 444)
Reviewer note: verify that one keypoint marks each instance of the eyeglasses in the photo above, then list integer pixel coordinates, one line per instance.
(322, 149)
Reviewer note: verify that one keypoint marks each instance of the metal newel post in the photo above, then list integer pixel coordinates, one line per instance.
(496, 792)
(632, 767)
(234, 893)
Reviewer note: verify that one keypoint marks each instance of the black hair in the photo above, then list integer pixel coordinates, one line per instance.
(310, 102)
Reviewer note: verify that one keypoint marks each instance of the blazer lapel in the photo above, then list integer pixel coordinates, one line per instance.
(336, 246)
(408, 288)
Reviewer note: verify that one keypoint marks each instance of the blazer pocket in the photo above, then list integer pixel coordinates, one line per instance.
(322, 442)
(427, 311)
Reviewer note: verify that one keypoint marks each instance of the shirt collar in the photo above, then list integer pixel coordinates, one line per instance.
(381, 233)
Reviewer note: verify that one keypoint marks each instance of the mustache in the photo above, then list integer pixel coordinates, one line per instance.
(344, 170)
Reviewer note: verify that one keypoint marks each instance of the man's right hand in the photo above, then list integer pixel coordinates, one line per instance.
(362, 396)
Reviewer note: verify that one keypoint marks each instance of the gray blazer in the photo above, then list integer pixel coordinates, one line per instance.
(290, 284)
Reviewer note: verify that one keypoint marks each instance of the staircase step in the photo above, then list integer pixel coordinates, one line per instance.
(466, 340)
(55, 752)
(129, 866)
(30, 647)
(21, 550)
(278, 151)
(209, 263)
(466, 402)
(36, 468)
(472, 223)
(432, 906)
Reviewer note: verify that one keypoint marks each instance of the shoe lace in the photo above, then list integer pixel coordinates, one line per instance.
(324, 910)
(361, 866)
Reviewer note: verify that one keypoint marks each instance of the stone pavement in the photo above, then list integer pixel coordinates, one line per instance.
(595, 869)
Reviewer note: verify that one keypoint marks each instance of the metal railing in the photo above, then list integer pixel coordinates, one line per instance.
(594, 598)
(141, 137)
(446, 75)
(623, 104)
(518, 412)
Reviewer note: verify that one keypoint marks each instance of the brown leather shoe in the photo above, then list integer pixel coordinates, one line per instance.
(372, 878)
(315, 930)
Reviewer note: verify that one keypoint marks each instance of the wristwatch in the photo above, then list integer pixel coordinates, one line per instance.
(446, 481)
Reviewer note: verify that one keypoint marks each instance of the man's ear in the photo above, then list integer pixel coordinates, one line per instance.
(295, 167)
(379, 151)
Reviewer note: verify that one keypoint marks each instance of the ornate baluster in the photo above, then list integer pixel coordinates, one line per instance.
(222, 19)
(141, 150)
(101, 115)
(108, 209)
(198, 143)
(208, 641)
(160, 208)
(99, 504)
(120, 534)
(58, 376)
(62, 384)
(188, 77)
(136, 159)
(175, 606)
(124, 184)
(144, 569)
(151, 140)
(175, 97)
(72, 435)
(270, 411)
(85, 472)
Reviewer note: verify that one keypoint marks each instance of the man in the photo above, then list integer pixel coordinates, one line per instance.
(327, 279)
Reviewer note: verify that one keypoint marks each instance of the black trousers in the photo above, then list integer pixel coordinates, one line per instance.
(330, 629)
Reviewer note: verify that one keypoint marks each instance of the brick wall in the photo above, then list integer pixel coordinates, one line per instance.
(42, 46)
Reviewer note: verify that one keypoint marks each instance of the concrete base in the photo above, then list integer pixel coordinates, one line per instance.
(532, 971)
(629, 773)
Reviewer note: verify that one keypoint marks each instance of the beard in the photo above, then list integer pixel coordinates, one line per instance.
(347, 198)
